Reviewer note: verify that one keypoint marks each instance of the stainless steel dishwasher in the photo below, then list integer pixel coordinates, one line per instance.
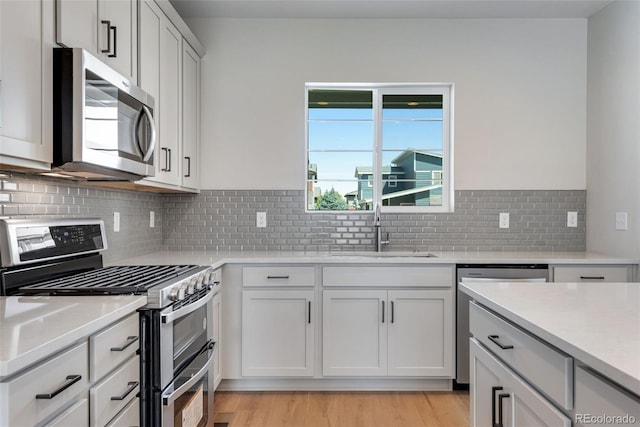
(484, 273)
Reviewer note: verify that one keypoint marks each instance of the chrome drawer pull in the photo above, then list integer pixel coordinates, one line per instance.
(277, 277)
(130, 340)
(592, 277)
(494, 339)
(132, 386)
(71, 380)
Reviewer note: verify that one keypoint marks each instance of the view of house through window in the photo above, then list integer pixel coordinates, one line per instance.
(381, 144)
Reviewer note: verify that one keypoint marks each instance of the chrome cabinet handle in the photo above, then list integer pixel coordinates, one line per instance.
(383, 311)
(130, 340)
(592, 277)
(166, 160)
(132, 386)
(309, 319)
(71, 380)
(188, 159)
(494, 339)
(277, 277)
(108, 49)
(115, 44)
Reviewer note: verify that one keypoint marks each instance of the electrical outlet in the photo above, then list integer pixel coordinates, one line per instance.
(116, 221)
(152, 219)
(504, 220)
(572, 219)
(621, 221)
(261, 219)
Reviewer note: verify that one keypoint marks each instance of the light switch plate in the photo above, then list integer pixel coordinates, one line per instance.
(621, 221)
(152, 219)
(504, 220)
(116, 221)
(261, 219)
(572, 219)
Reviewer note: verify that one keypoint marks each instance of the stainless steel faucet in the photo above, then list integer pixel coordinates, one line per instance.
(378, 227)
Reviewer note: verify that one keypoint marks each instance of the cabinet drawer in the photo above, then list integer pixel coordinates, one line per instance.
(112, 394)
(433, 276)
(605, 273)
(76, 415)
(129, 416)
(548, 369)
(57, 378)
(595, 397)
(112, 346)
(278, 276)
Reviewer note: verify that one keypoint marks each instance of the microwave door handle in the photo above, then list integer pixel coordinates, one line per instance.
(152, 140)
(169, 398)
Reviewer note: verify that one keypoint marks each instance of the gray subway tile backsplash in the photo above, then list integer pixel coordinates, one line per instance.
(224, 220)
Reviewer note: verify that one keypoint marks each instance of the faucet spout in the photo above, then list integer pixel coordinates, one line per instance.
(378, 227)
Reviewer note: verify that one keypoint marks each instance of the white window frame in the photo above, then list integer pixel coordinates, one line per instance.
(378, 90)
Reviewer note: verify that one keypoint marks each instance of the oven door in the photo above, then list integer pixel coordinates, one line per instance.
(188, 400)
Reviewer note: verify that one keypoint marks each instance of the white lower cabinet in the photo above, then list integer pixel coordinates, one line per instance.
(278, 333)
(598, 402)
(404, 333)
(92, 383)
(217, 337)
(499, 397)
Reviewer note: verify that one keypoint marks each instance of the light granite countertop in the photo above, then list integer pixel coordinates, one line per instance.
(34, 327)
(217, 259)
(596, 323)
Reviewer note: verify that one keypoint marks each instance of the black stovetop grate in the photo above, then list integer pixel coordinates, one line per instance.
(111, 280)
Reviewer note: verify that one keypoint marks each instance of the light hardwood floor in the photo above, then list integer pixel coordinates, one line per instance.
(343, 409)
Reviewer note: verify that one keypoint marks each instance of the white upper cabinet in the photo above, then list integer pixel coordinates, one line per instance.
(26, 58)
(106, 28)
(190, 116)
(160, 76)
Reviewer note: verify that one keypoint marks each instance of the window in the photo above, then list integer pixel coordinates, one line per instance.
(387, 144)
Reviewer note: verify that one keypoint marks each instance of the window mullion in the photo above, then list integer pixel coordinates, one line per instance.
(377, 147)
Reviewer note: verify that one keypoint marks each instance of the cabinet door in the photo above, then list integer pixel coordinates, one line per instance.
(120, 35)
(106, 28)
(190, 116)
(26, 58)
(420, 333)
(160, 76)
(485, 386)
(77, 24)
(217, 337)
(354, 333)
(277, 333)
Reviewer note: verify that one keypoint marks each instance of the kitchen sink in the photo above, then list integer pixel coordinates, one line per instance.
(413, 254)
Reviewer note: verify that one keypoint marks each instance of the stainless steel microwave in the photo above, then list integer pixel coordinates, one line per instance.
(103, 124)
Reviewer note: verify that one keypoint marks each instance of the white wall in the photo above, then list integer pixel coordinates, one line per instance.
(520, 93)
(613, 144)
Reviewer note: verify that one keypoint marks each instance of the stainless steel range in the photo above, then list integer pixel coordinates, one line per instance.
(177, 351)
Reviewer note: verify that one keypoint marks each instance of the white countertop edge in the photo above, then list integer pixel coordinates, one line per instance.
(16, 364)
(613, 373)
(218, 259)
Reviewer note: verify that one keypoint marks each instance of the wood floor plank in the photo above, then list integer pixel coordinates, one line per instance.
(343, 409)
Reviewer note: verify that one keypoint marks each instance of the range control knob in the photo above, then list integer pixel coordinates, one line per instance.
(177, 294)
(191, 286)
(200, 282)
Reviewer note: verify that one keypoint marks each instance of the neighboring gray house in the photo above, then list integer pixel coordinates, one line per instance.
(414, 178)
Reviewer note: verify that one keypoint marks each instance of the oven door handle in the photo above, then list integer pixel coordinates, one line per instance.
(169, 398)
(190, 308)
